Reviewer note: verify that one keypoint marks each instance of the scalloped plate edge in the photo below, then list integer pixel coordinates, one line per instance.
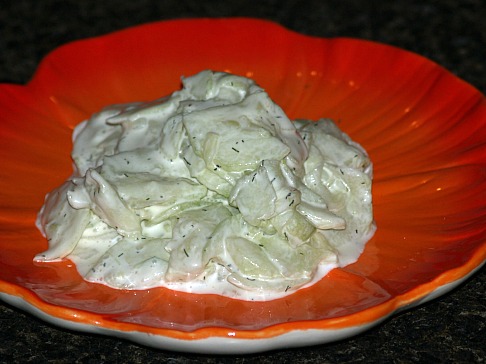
(230, 345)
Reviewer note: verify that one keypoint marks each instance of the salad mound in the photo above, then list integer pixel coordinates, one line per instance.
(210, 190)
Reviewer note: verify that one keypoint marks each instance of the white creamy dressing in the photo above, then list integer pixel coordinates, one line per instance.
(210, 190)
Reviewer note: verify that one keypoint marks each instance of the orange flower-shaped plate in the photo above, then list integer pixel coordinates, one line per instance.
(425, 131)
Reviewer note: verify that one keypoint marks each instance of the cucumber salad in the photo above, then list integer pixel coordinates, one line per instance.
(210, 190)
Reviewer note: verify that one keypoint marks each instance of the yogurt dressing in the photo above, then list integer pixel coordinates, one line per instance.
(210, 190)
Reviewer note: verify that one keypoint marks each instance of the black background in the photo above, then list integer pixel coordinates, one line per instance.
(451, 33)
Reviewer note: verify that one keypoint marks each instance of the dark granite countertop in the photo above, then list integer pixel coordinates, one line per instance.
(451, 328)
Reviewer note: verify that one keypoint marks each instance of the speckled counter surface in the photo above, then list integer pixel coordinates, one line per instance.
(452, 33)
